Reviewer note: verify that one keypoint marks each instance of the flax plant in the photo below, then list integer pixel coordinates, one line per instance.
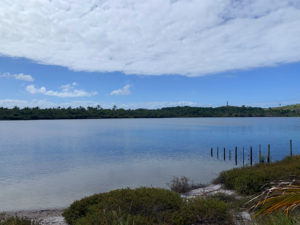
(282, 195)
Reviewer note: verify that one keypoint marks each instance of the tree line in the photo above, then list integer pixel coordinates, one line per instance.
(37, 113)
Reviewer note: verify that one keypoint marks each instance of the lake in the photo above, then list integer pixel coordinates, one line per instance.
(49, 164)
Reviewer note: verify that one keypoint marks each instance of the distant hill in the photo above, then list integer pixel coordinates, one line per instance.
(295, 107)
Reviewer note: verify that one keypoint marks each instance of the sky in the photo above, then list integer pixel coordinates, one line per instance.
(149, 54)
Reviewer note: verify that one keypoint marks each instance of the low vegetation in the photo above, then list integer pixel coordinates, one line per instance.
(16, 221)
(146, 206)
(183, 185)
(274, 205)
(252, 180)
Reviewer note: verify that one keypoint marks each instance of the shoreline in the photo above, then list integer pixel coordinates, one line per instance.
(54, 216)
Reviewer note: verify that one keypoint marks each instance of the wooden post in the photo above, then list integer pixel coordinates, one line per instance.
(259, 155)
(243, 156)
(268, 156)
(229, 154)
(235, 155)
(224, 154)
(212, 152)
(217, 152)
(291, 148)
(251, 159)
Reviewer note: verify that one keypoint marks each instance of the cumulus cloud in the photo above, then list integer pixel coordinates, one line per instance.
(122, 91)
(66, 91)
(187, 37)
(19, 76)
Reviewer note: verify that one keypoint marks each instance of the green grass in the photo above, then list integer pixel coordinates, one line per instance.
(146, 206)
(295, 107)
(278, 219)
(252, 180)
(16, 221)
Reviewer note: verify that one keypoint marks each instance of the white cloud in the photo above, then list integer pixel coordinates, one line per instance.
(19, 76)
(188, 37)
(66, 91)
(122, 91)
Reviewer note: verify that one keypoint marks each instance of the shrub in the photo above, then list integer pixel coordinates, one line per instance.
(183, 185)
(145, 206)
(251, 180)
(203, 211)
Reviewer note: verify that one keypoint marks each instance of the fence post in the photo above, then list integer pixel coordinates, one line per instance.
(251, 156)
(235, 155)
(217, 152)
(259, 155)
(268, 156)
(291, 147)
(229, 154)
(212, 152)
(243, 156)
(224, 154)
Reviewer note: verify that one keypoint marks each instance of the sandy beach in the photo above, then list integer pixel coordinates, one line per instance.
(44, 217)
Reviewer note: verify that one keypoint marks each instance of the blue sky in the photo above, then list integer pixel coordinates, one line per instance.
(197, 53)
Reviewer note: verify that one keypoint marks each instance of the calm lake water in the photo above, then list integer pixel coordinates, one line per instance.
(47, 164)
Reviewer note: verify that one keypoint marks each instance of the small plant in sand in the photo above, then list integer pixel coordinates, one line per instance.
(4, 220)
(183, 185)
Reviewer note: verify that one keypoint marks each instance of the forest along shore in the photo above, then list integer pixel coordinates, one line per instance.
(167, 112)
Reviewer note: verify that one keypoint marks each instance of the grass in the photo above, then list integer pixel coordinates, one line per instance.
(295, 107)
(16, 221)
(252, 180)
(146, 206)
(277, 219)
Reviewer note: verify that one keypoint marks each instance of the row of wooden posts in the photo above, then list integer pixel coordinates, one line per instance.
(261, 159)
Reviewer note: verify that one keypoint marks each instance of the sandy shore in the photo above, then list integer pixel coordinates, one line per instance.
(45, 217)
(54, 216)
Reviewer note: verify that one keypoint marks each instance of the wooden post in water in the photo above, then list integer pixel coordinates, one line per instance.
(212, 152)
(268, 156)
(243, 156)
(217, 152)
(291, 147)
(229, 154)
(235, 155)
(224, 154)
(259, 155)
(251, 159)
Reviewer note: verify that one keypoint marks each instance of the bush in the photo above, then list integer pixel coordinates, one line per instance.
(251, 180)
(183, 185)
(145, 206)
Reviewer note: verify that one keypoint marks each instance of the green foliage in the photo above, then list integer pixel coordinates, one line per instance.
(251, 180)
(145, 206)
(277, 219)
(16, 221)
(98, 112)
